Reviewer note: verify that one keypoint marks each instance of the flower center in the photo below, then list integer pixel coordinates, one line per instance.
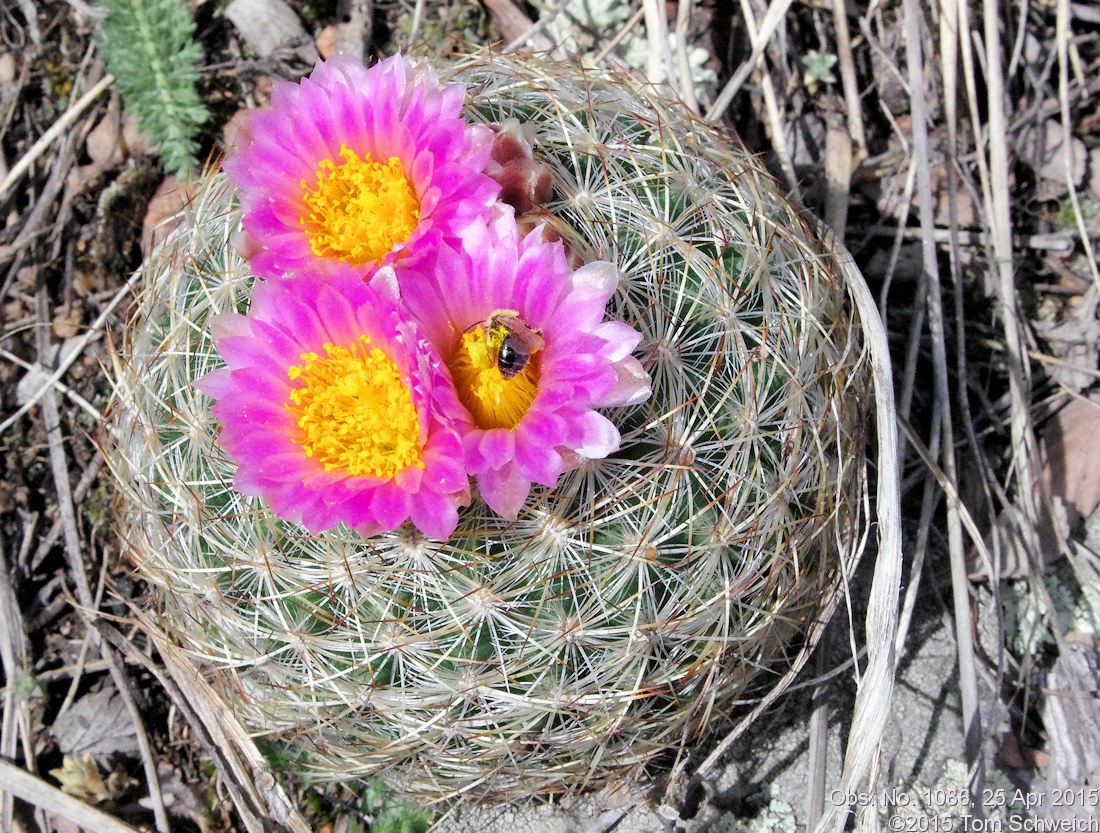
(494, 399)
(355, 411)
(359, 209)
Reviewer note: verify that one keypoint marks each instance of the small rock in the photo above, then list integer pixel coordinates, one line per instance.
(327, 41)
(8, 68)
(135, 141)
(1045, 149)
(67, 322)
(232, 131)
(266, 25)
(102, 143)
(160, 216)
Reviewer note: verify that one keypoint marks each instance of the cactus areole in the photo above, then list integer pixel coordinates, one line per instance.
(491, 498)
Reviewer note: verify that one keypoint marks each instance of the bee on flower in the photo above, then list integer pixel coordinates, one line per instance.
(530, 354)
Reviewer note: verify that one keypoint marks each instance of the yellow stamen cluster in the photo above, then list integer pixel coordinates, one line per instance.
(358, 209)
(355, 411)
(492, 400)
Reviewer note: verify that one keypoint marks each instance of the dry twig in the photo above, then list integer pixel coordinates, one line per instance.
(772, 18)
(70, 534)
(55, 130)
(914, 30)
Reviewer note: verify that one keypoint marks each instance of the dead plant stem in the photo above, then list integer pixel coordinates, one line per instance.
(819, 742)
(971, 716)
(683, 61)
(80, 491)
(772, 18)
(773, 116)
(658, 61)
(417, 20)
(72, 395)
(949, 62)
(94, 331)
(999, 218)
(1062, 39)
(55, 130)
(620, 36)
(518, 28)
(230, 746)
(848, 79)
(876, 685)
(13, 654)
(66, 509)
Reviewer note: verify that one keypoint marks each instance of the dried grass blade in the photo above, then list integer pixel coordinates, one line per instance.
(772, 18)
(876, 686)
(914, 29)
(51, 419)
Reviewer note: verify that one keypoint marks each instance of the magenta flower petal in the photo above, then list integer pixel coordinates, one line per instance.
(632, 386)
(352, 168)
(496, 446)
(434, 514)
(599, 436)
(337, 410)
(536, 461)
(504, 490)
(530, 355)
(620, 338)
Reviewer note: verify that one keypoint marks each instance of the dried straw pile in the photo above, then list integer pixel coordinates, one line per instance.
(647, 595)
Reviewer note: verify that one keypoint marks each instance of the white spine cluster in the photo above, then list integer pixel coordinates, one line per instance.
(646, 594)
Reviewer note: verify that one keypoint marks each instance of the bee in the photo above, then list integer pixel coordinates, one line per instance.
(518, 340)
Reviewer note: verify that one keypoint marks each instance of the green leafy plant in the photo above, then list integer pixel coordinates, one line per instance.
(818, 68)
(1066, 218)
(392, 814)
(149, 46)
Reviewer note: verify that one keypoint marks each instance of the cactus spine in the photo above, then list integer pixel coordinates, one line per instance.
(644, 596)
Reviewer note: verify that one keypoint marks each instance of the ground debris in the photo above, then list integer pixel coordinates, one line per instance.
(98, 724)
(1071, 717)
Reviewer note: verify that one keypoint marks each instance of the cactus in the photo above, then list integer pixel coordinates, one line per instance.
(625, 610)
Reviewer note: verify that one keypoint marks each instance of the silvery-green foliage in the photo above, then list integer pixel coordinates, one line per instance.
(644, 597)
(150, 48)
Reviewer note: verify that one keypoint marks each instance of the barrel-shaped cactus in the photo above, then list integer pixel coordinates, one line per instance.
(640, 599)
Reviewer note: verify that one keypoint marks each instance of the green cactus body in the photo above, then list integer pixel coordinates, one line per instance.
(644, 596)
